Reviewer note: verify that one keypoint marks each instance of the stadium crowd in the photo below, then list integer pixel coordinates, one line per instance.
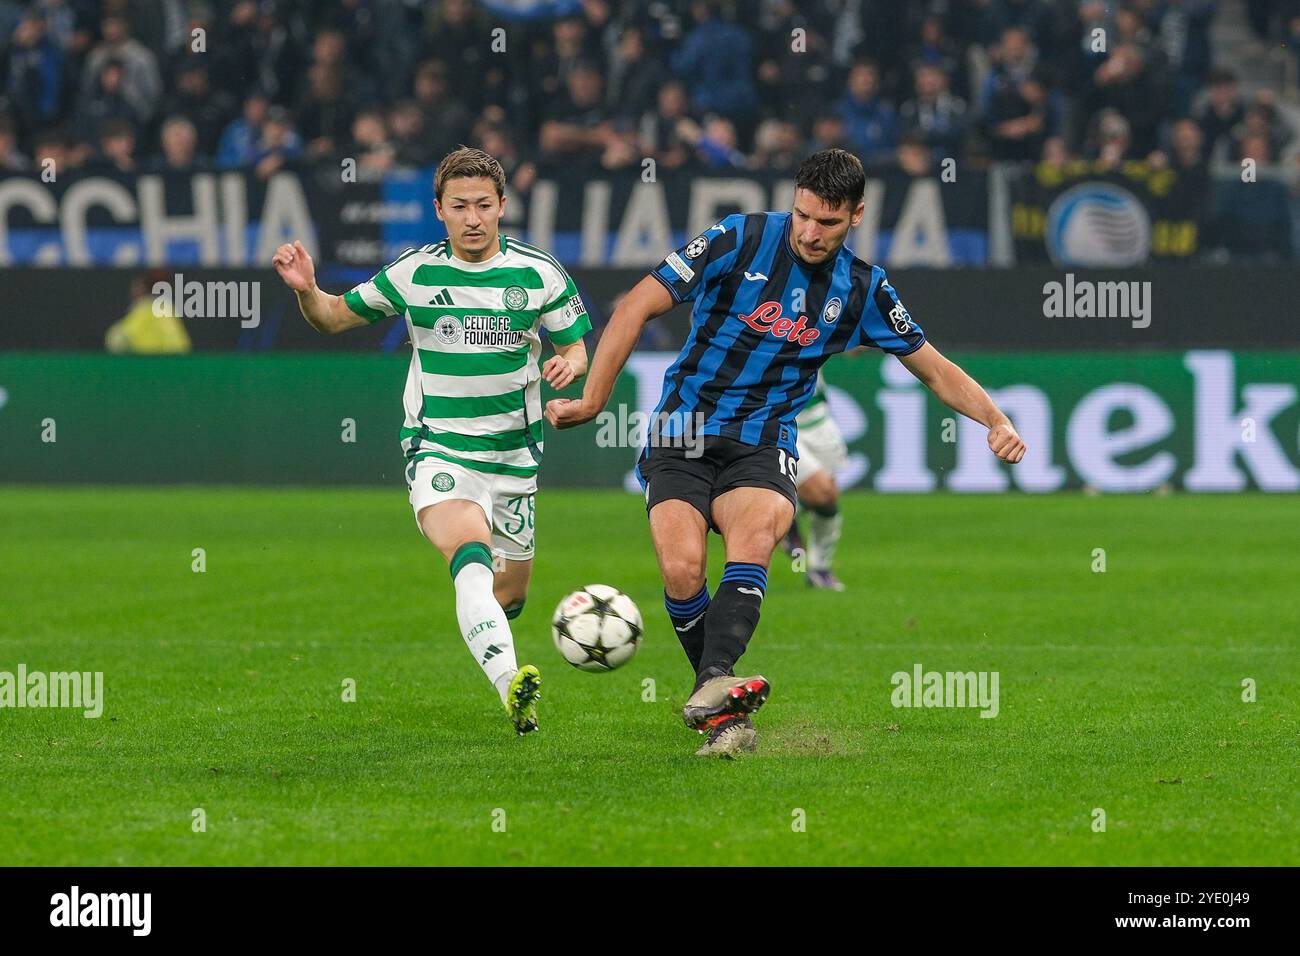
(159, 85)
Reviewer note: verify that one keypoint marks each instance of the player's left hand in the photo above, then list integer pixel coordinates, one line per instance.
(558, 372)
(1006, 443)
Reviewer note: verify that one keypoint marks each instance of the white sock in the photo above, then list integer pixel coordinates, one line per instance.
(484, 626)
(823, 535)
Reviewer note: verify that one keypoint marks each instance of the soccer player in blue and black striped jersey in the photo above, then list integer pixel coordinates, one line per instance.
(775, 294)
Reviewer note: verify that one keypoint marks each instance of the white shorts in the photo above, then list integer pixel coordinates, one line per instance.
(821, 448)
(506, 500)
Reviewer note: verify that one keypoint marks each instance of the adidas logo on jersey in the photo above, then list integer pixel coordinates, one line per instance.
(442, 298)
(768, 318)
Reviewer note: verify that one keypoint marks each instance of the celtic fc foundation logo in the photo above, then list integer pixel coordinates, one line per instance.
(443, 482)
(515, 298)
(447, 329)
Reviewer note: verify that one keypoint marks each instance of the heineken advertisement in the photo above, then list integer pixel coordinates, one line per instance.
(1212, 421)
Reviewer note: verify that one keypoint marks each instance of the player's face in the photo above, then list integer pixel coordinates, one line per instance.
(818, 229)
(472, 211)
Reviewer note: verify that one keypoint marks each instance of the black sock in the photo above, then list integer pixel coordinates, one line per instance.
(688, 621)
(732, 617)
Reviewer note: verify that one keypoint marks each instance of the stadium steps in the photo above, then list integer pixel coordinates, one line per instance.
(1257, 63)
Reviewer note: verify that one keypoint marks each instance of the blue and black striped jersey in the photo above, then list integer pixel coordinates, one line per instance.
(762, 324)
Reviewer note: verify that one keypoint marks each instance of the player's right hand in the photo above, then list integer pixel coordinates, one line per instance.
(568, 412)
(295, 266)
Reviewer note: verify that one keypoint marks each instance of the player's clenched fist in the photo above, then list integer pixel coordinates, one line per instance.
(566, 412)
(295, 266)
(1005, 443)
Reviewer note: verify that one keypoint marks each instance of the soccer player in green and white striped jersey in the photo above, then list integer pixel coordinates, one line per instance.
(473, 306)
(822, 453)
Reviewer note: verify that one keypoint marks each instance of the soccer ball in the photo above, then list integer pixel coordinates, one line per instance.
(596, 628)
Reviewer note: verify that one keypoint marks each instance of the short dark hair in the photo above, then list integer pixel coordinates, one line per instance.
(467, 162)
(835, 175)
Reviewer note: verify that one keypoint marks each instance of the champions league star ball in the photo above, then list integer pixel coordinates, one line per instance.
(597, 628)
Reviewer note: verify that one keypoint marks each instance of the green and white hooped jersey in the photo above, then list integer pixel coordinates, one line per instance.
(473, 392)
(816, 409)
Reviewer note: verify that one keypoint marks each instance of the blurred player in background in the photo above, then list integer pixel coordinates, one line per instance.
(149, 328)
(775, 295)
(473, 305)
(822, 454)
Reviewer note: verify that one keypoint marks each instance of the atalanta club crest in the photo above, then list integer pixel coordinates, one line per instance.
(832, 310)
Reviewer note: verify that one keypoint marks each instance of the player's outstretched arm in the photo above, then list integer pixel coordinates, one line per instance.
(952, 386)
(647, 299)
(323, 312)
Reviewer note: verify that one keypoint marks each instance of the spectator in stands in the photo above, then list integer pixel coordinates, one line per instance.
(36, 73)
(370, 144)
(573, 45)
(116, 148)
(828, 131)
(1094, 28)
(913, 155)
(1251, 220)
(493, 133)
(104, 102)
(11, 159)
(1261, 119)
(635, 77)
(232, 44)
(794, 78)
(938, 117)
(141, 83)
(777, 146)
(1222, 112)
(324, 113)
(1186, 154)
(1110, 139)
(934, 48)
(1055, 153)
(456, 33)
(1131, 81)
(195, 99)
(238, 146)
(715, 61)
(410, 136)
(1017, 110)
(1182, 31)
(149, 326)
(660, 129)
(278, 144)
(870, 123)
(714, 143)
(578, 127)
(180, 145)
(54, 153)
(446, 120)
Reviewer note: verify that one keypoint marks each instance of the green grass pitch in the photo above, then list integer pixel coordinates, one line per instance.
(1119, 690)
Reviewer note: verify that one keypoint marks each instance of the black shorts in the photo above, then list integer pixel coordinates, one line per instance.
(683, 474)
